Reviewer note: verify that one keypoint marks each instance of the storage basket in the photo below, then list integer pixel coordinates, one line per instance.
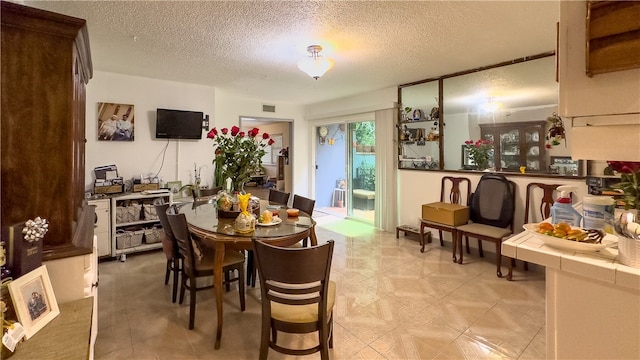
(152, 235)
(127, 214)
(128, 238)
(629, 251)
(149, 212)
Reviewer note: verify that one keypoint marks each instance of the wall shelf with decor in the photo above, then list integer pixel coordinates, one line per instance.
(134, 223)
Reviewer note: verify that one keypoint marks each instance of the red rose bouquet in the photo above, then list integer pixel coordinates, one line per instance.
(237, 154)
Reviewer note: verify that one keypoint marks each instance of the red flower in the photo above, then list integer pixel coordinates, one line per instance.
(211, 134)
(253, 132)
(548, 146)
(626, 167)
(235, 130)
(218, 152)
(265, 136)
(271, 141)
(241, 134)
(224, 131)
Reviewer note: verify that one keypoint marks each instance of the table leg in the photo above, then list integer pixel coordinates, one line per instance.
(217, 288)
(312, 236)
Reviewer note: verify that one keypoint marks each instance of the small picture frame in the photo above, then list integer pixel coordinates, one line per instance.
(174, 187)
(33, 300)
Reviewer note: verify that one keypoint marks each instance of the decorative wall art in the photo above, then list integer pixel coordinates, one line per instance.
(34, 300)
(115, 122)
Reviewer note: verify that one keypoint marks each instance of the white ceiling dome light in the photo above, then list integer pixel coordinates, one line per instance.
(315, 65)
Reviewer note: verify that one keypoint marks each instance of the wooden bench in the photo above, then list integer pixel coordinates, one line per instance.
(364, 199)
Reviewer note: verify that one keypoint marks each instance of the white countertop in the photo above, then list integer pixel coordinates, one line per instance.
(600, 266)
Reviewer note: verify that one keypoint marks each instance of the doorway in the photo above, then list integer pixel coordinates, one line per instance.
(276, 169)
(345, 170)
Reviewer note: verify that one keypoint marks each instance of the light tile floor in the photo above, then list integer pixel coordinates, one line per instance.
(393, 303)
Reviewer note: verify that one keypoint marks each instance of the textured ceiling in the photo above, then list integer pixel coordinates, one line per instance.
(251, 48)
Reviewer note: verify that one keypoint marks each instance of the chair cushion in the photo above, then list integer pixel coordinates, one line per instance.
(302, 313)
(485, 230)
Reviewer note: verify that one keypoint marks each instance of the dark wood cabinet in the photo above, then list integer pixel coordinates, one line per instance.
(46, 63)
(517, 144)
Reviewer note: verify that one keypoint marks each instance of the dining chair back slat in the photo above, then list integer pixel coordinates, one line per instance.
(279, 197)
(295, 281)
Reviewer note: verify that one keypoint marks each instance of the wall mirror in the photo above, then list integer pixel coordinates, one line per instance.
(507, 105)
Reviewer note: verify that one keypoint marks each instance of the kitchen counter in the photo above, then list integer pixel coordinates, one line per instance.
(592, 301)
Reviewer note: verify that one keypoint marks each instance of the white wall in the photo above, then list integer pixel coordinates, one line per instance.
(229, 108)
(367, 102)
(145, 154)
(422, 187)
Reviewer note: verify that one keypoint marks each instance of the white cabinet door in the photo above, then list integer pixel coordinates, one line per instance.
(103, 226)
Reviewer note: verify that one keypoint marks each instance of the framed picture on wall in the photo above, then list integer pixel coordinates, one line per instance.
(174, 187)
(33, 300)
(116, 122)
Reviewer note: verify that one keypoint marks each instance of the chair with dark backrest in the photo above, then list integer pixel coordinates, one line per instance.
(279, 197)
(459, 189)
(492, 210)
(202, 193)
(306, 205)
(538, 208)
(297, 295)
(198, 262)
(299, 202)
(169, 247)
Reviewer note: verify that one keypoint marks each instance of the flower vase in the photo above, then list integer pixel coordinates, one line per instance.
(239, 187)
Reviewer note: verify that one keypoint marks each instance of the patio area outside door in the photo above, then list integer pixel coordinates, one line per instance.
(361, 186)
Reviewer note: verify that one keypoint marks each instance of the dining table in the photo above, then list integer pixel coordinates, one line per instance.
(219, 232)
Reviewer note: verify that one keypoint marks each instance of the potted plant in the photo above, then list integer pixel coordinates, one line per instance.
(365, 136)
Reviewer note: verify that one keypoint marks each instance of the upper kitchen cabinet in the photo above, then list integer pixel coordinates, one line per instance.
(605, 105)
(46, 63)
(614, 92)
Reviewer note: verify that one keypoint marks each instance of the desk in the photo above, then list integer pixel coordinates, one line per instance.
(204, 224)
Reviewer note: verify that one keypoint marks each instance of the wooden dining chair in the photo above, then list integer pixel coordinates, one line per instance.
(492, 210)
(279, 197)
(169, 247)
(536, 209)
(297, 296)
(459, 192)
(198, 262)
(306, 205)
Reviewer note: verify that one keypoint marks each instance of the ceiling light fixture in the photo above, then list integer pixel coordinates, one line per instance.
(315, 65)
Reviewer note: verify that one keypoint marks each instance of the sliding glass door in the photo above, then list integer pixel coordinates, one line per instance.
(362, 171)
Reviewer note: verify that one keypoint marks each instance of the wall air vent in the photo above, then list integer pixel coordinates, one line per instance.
(269, 108)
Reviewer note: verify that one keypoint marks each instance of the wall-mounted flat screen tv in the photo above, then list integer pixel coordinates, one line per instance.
(178, 124)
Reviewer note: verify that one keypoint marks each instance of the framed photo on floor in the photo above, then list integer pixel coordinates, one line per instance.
(33, 300)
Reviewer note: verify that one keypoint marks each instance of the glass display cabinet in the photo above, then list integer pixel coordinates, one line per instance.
(517, 144)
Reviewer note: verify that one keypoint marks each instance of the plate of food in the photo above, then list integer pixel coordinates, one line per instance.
(275, 221)
(268, 218)
(565, 237)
